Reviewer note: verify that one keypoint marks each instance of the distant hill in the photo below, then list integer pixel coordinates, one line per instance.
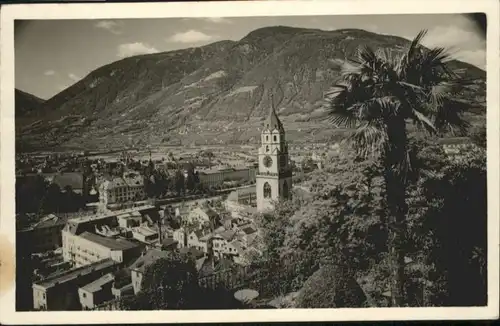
(26, 103)
(218, 93)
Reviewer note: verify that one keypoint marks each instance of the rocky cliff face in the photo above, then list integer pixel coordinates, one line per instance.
(218, 93)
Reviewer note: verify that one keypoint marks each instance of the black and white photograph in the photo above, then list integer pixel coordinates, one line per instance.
(266, 162)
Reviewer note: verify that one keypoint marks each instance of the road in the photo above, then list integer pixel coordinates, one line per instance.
(196, 198)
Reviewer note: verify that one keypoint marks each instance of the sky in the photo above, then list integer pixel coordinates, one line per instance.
(51, 55)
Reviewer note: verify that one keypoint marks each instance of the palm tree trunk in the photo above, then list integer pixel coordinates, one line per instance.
(396, 200)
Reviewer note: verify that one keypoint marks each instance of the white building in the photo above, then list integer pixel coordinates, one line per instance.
(129, 187)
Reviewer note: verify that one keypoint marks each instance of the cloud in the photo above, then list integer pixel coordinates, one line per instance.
(49, 73)
(74, 77)
(461, 42)
(109, 25)
(218, 20)
(474, 57)
(131, 49)
(453, 36)
(191, 36)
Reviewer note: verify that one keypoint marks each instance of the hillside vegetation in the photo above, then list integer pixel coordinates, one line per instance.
(218, 93)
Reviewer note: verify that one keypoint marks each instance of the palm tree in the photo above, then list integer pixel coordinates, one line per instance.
(378, 94)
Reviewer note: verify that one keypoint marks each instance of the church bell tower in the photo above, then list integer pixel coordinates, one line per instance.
(274, 177)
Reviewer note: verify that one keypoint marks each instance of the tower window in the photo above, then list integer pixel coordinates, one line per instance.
(267, 138)
(267, 190)
(267, 148)
(275, 138)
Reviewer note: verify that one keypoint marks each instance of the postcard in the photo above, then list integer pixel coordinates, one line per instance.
(249, 161)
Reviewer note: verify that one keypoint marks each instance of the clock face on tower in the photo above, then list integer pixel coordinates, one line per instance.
(268, 161)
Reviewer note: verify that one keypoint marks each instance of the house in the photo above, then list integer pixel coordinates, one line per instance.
(240, 248)
(249, 229)
(139, 267)
(196, 240)
(179, 235)
(202, 215)
(145, 234)
(227, 222)
(228, 235)
(218, 244)
(195, 253)
(130, 219)
(96, 292)
(122, 284)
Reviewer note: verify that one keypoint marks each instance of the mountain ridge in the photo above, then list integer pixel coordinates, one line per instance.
(217, 93)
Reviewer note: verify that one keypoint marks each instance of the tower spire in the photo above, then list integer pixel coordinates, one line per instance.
(272, 121)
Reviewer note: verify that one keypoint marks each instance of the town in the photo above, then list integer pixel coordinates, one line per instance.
(129, 212)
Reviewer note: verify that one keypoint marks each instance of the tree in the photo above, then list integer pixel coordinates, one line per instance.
(448, 229)
(191, 178)
(179, 182)
(168, 283)
(332, 286)
(378, 94)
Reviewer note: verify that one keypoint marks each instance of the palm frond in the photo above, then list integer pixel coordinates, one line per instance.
(438, 93)
(449, 116)
(408, 168)
(342, 113)
(414, 45)
(370, 138)
(350, 68)
(387, 105)
(366, 54)
(343, 120)
(411, 86)
(423, 122)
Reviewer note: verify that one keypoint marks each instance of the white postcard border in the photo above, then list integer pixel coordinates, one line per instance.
(241, 9)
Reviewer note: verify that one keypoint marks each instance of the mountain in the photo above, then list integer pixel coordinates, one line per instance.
(218, 93)
(26, 103)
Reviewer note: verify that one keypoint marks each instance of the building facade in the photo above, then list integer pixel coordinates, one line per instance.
(92, 238)
(44, 235)
(87, 248)
(139, 267)
(129, 187)
(211, 178)
(96, 292)
(245, 196)
(274, 178)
